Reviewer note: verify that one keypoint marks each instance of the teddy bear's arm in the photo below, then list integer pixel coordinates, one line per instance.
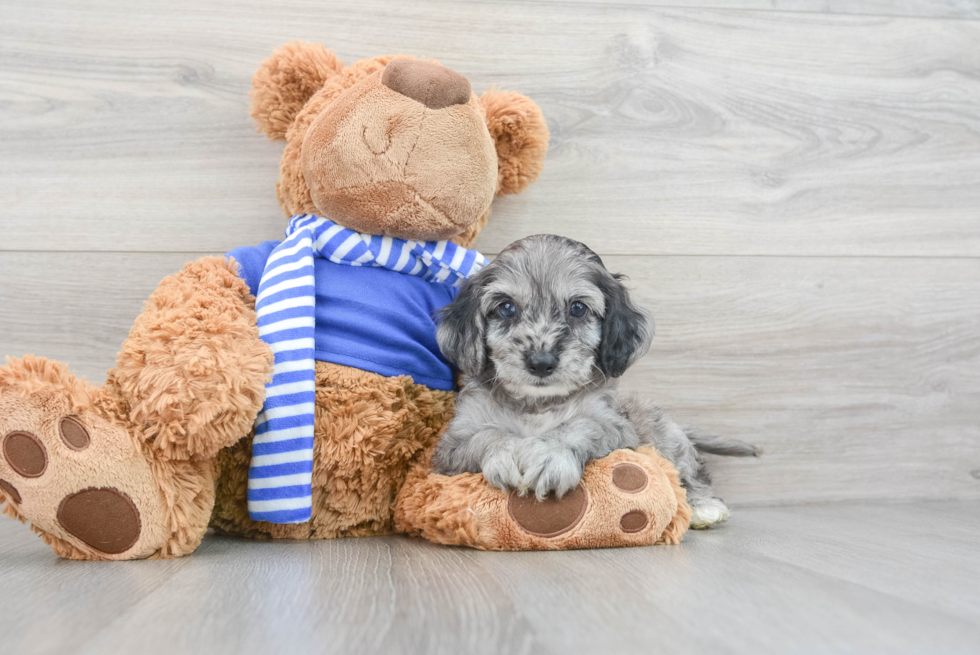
(193, 369)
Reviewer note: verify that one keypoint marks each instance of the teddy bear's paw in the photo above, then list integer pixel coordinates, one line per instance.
(551, 516)
(616, 504)
(628, 498)
(706, 512)
(80, 479)
(624, 499)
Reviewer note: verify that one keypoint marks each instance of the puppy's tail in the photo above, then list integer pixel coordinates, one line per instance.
(712, 443)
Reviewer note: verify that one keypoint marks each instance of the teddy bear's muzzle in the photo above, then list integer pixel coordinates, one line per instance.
(405, 152)
(433, 85)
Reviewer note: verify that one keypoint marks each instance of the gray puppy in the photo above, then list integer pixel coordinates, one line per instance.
(542, 335)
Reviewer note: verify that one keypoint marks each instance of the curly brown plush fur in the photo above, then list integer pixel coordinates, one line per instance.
(370, 432)
(168, 436)
(521, 135)
(285, 81)
(463, 510)
(174, 496)
(192, 372)
(161, 451)
(515, 123)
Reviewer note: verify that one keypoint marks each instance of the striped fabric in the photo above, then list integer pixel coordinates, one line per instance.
(280, 476)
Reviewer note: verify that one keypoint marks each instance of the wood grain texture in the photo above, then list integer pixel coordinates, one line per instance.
(855, 577)
(860, 378)
(969, 9)
(77, 307)
(674, 131)
(793, 187)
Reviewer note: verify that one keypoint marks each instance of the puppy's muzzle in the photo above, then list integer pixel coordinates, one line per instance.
(542, 363)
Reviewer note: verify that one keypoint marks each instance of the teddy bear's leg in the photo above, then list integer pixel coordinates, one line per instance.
(371, 430)
(72, 464)
(628, 498)
(125, 471)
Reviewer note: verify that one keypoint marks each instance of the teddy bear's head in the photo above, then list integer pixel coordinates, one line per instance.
(393, 145)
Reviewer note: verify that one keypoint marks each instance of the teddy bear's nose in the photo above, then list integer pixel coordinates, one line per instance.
(433, 85)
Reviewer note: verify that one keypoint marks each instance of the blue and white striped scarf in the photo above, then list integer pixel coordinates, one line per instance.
(280, 476)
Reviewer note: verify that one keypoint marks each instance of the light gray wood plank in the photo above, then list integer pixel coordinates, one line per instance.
(371, 595)
(717, 594)
(51, 605)
(675, 131)
(900, 560)
(77, 307)
(806, 579)
(859, 378)
(967, 9)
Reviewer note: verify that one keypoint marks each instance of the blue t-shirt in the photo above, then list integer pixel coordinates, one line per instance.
(370, 318)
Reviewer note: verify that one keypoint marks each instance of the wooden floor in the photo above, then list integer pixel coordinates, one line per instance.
(854, 577)
(793, 188)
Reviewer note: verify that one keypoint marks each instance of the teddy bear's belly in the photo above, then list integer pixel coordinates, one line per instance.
(370, 431)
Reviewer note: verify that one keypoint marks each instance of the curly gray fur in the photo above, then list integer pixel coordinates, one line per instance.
(542, 335)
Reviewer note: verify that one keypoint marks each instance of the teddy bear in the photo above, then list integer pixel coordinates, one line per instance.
(389, 169)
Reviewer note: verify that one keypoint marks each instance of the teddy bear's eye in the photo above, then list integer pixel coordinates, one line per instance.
(578, 309)
(507, 309)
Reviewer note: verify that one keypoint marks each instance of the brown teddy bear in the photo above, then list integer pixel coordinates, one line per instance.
(391, 146)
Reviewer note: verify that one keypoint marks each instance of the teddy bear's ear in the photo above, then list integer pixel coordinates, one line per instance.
(285, 81)
(521, 137)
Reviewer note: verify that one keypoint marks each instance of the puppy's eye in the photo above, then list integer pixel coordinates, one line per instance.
(506, 309)
(578, 309)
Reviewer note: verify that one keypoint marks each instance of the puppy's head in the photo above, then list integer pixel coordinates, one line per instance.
(544, 319)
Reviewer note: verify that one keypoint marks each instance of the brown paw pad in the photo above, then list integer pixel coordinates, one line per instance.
(10, 491)
(106, 519)
(633, 521)
(550, 517)
(630, 478)
(73, 433)
(25, 454)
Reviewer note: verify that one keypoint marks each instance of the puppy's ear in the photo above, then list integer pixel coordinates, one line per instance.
(626, 329)
(285, 81)
(462, 328)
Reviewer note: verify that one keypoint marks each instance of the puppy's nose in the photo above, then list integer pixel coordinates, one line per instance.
(433, 85)
(542, 364)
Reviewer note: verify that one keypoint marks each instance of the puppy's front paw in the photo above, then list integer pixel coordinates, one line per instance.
(549, 467)
(500, 467)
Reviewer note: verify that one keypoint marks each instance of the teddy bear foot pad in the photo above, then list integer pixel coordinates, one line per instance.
(628, 498)
(80, 479)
